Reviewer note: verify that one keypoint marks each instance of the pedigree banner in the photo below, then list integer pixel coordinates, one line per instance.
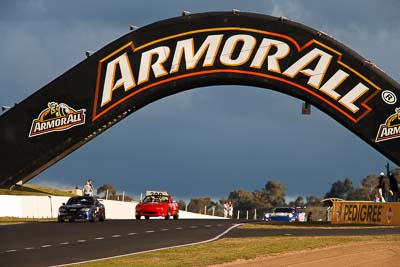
(198, 50)
(352, 212)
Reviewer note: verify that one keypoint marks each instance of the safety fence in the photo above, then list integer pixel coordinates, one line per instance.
(365, 212)
(47, 207)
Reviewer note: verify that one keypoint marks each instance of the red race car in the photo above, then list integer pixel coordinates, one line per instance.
(157, 204)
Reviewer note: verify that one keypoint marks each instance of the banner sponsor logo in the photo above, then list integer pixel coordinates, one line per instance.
(55, 118)
(390, 129)
(313, 68)
(363, 213)
(366, 212)
(389, 214)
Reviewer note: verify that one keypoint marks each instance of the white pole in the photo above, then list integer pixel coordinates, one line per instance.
(238, 215)
(123, 195)
(213, 211)
(205, 210)
(107, 194)
(186, 206)
(51, 208)
(141, 197)
(255, 214)
(247, 214)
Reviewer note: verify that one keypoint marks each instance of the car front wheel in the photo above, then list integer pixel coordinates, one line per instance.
(168, 214)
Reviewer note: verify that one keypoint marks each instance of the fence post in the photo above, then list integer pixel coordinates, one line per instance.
(51, 208)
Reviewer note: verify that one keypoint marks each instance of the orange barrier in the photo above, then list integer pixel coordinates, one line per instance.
(365, 212)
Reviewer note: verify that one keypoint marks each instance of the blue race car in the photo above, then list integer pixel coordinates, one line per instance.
(284, 214)
(82, 208)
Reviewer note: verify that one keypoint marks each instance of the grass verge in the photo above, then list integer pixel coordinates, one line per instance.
(34, 190)
(297, 225)
(13, 220)
(232, 249)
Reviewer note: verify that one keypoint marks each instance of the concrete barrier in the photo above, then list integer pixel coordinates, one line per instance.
(47, 207)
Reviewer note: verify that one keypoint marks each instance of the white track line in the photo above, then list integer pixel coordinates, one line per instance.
(157, 249)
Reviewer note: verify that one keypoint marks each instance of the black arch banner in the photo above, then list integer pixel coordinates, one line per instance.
(192, 51)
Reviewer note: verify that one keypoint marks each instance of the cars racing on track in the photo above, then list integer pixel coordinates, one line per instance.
(82, 208)
(157, 204)
(284, 214)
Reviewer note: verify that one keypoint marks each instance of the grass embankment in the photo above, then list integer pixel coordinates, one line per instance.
(15, 220)
(34, 190)
(30, 190)
(232, 249)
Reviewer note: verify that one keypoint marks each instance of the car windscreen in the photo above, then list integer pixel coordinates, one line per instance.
(154, 198)
(285, 210)
(80, 201)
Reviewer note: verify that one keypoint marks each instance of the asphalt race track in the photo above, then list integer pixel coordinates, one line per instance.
(51, 243)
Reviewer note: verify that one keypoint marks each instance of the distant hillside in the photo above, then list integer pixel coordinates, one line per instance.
(35, 190)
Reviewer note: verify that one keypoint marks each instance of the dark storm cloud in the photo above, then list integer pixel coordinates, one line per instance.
(207, 141)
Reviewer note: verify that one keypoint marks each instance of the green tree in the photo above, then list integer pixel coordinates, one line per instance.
(313, 201)
(274, 193)
(340, 189)
(242, 199)
(181, 204)
(197, 204)
(102, 191)
(298, 202)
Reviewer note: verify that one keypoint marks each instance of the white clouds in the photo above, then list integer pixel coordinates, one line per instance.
(291, 9)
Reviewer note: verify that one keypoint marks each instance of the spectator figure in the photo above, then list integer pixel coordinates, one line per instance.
(309, 217)
(381, 187)
(393, 187)
(226, 209)
(87, 189)
(230, 209)
(91, 186)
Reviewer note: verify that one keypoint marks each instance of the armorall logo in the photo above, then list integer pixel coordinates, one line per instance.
(312, 68)
(55, 118)
(391, 128)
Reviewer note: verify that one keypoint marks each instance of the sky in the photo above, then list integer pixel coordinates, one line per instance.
(208, 141)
